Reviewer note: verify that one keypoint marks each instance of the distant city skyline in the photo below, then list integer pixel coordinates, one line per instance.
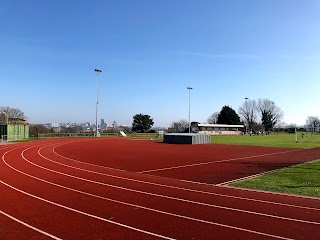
(151, 51)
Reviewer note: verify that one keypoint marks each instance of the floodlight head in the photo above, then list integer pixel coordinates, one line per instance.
(246, 98)
(98, 70)
(189, 88)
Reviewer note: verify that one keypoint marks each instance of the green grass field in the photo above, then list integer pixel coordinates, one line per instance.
(299, 180)
(272, 140)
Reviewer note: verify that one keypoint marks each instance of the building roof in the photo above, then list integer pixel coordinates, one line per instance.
(220, 125)
(182, 134)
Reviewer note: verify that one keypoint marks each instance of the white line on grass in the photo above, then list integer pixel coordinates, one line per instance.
(273, 193)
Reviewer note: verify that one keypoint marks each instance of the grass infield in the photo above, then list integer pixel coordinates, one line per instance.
(272, 140)
(299, 180)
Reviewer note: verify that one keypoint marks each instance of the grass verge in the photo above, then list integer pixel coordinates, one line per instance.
(299, 180)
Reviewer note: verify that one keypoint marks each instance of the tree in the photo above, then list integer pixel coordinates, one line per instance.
(179, 126)
(313, 122)
(228, 116)
(256, 127)
(11, 115)
(270, 113)
(141, 123)
(266, 120)
(213, 118)
(34, 130)
(248, 111)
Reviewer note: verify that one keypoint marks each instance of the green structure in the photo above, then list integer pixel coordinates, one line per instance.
(13, 132)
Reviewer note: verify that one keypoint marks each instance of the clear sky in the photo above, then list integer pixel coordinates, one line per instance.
(150, 51)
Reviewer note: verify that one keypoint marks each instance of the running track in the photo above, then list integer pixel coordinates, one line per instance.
(122, 189)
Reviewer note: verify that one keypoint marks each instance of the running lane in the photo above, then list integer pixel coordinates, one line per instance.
(164, 207)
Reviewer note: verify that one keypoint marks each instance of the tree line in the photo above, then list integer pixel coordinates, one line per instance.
(10, 115)
(256, 115)
(262, 114)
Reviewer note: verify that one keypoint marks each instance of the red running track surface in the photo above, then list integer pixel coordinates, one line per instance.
(123, 189)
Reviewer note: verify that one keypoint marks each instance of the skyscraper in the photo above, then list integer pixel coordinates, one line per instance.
(102, 123)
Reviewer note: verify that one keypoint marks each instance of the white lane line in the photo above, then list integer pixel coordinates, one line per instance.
(247, 177)
(264, 173)
(89, 164)
(219, 161)
(172, 187)
(171, 214)
(150, 209)
(273, 193)
(29, 226)
(164, 196)
(83, 213)
(118, 169)
(78, 211)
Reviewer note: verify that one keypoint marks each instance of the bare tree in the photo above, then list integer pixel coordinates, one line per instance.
(11, 115)
(248, 112)
(213, 118)
(179, 126)
(270, 113)
(313, 122)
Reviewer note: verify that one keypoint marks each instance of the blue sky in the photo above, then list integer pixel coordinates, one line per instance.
(151, 50)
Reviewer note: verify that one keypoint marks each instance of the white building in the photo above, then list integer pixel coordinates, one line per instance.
(55, 125)
(218, 129)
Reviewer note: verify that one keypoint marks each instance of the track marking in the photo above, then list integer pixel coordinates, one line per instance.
(194, 182)
(107, 220)
(151, 209)
(29, 226)
(84, 213)
(75, 210)
(168, 186)
(273, 193)
(163, 196)
(89, 164)
(248, 177)
(219, 161)
(264, 173)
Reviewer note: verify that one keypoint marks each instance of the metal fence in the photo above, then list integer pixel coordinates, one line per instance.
(8, 138)
(64, 135)
(70, 135)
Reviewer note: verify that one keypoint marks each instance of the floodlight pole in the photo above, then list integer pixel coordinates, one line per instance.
(248, 121)
(97, 71)
(189, 88)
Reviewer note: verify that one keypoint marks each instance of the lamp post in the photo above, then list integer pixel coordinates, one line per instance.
(248, 120)
(189, 88)
(97, 71)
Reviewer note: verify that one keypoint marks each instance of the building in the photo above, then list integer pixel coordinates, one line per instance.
(11, 132)
(55, 125)
(102, 124)
(217, 129)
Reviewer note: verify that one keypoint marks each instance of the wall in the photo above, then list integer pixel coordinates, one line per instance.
(15, 131)
(221, 132)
